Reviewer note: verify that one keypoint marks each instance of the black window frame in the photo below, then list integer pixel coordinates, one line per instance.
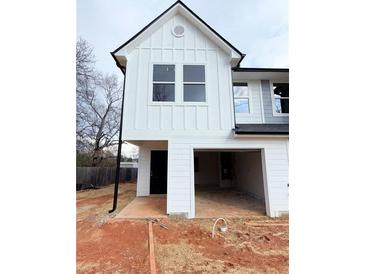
(276, 113)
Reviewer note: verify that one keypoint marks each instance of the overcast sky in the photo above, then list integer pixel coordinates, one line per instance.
(258, 28)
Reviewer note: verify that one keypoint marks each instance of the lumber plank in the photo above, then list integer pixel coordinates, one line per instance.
(152, 249)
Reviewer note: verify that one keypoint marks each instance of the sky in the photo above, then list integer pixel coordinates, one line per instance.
(258, 28)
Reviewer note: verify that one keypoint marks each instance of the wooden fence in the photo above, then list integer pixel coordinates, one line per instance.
(88, 177)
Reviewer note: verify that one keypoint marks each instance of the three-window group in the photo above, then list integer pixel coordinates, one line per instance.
(194, 88)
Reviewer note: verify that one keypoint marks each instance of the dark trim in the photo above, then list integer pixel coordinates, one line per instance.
(260, 69)
(234, 111)
(262, 129)
(240, 84)
(120, 143)
(194, 14)
(117, 63)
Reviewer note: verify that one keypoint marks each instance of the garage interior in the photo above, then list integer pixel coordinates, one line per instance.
(228, 183)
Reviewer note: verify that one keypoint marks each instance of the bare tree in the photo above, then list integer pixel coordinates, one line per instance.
(85, 61)
(98, 106)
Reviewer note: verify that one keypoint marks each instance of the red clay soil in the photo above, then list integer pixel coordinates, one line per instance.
(108, 245)
(251, 255)
(114, 246)
(105, 245)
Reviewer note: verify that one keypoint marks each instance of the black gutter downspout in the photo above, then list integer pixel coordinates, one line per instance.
(234, 112)
(120, 142)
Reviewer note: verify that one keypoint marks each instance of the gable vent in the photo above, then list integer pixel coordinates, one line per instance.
(178, 31)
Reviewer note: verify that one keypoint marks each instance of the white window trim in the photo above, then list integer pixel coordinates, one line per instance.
(273, 98)
(179, 85)
(249, 97)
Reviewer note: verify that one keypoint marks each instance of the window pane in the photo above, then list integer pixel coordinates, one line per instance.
(194, 73)
(164, 73)
(164, 92)
(241, 106)
(194, 93)
(240, 91)
(284, 105)
(277, 105)
(281, 90)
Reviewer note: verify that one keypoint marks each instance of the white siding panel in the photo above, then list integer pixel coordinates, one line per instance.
(157, 39)
(143, 177)
(178, 120)
(154, 117)
(156, 55)
(200, 56)
(166, 117)
(168, 40)
(167, 55)
(202, 117)
(178, 55)
(189, 56)
(190, 117)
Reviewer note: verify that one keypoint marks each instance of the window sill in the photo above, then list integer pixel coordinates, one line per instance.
(280, 114)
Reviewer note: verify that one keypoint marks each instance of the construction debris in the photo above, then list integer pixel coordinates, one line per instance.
(222, 228)
(152, 248)
(156, 221)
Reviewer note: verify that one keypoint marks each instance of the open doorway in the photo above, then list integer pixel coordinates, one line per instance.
(228, 183)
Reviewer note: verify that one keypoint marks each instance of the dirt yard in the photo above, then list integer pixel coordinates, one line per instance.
(109, 245)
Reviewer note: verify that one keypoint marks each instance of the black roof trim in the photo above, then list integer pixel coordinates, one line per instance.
(193, 13)
(261, 69)
(277, 129)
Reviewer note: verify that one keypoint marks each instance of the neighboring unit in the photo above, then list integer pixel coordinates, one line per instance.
(201, 121)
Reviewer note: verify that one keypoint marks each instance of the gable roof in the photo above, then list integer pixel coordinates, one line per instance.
(175, 5)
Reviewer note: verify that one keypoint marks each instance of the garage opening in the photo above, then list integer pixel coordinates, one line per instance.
(228, 183)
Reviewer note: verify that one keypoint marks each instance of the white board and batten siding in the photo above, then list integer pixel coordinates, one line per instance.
(157, 120)
(143, 177)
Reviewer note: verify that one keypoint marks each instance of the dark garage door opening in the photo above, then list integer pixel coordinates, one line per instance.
(228, 183)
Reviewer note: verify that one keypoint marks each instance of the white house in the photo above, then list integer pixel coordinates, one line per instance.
(199, 118)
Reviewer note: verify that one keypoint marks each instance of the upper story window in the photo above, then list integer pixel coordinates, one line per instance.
(281, 98)
(163, 83)
(194, 83)
(241, 98)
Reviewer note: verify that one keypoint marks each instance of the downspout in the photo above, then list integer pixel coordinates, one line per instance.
(237, 66)
(120, 142)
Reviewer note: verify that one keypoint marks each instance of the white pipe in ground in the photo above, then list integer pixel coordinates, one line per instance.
(222, 228)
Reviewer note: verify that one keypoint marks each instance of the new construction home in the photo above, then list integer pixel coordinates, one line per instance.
(202, 121)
